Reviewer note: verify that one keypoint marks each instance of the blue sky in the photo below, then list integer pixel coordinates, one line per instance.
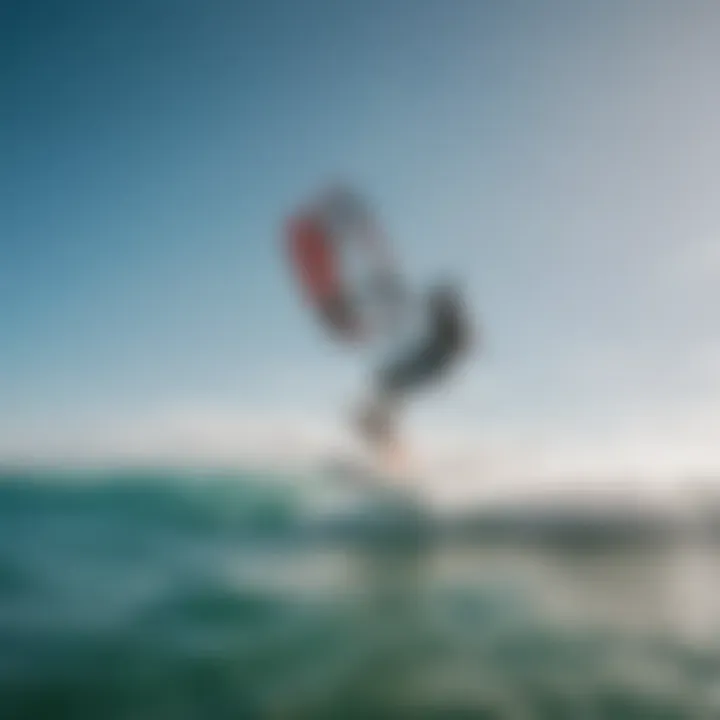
(560, 157)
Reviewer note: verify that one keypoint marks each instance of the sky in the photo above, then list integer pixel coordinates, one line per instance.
(559, 158)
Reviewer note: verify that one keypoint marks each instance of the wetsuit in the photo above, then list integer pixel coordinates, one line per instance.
(447, 338)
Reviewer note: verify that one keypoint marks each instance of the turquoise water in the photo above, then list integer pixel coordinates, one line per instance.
(165, 595)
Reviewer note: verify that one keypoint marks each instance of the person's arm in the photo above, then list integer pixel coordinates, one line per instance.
(387, 303)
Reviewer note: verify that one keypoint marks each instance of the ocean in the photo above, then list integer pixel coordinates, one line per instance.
(185, 594)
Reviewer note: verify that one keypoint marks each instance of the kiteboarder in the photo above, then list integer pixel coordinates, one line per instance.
(348, 275)
(447, 339)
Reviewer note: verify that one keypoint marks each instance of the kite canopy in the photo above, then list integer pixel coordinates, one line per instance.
(343, 265)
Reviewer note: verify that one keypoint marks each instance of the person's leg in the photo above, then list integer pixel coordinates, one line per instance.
(416, 368)
(377, 422)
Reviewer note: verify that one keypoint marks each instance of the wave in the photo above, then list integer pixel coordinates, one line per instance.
(183, 499)
(296, 506)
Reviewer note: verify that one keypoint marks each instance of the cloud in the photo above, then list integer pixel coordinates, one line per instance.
(618, 434)
(177, 433)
